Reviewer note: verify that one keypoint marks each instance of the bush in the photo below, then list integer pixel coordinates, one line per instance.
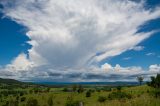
(65, 90)
(7, 103)
(119, 95)
(21, 93)
(92, 90)
(23, 99)
(36, 90)
(98, 90)
(13, 103)
(32, 102)
(156, 93)
(101, 99)
(30, 91)
(80, 89)
(106, 89)
(119, 88)
(17, 98)
(88, 94)
(71, 102)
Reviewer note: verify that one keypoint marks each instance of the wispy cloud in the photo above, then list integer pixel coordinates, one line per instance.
(138, 48)
(127, 58)
(150, 54)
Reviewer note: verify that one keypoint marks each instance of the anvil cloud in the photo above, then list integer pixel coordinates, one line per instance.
(68, 34)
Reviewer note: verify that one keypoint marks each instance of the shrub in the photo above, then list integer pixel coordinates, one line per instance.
(98, 90)
(119, 95)
(32, 102)
(71, 102)
(30, 91)
(119, 88)
(106, 89)
(102, 99)
(23, 99)
(88, 94)
(80, 89)
(36, 90)
(65, 89)
(156, 93)
(7, 103)
(21, 93)
(17, 98)
(92, 90)
(13, 103)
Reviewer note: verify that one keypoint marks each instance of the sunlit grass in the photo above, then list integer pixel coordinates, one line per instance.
(140, 97)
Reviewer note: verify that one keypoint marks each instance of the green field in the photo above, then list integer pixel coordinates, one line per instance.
(57, 96)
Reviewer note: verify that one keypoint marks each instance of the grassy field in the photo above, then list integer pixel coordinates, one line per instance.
(138, 96)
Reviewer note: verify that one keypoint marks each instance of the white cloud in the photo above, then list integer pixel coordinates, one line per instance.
(106, 72)
(20, 63)
(150, 54)
(155, 68)
(68, 34)
(106, 67)
(127, 58)
(138, 48)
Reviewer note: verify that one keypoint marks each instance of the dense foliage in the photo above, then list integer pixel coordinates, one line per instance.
(102, 99)
(119, 95)
(155, 81)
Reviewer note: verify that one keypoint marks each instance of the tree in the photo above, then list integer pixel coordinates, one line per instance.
(155, 81)
(48, 89)
(80, 89)
(119, 88)
(140, 79)
(88, 93)
(74, 88)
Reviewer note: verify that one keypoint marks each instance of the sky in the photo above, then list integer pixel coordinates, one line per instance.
(79, 40)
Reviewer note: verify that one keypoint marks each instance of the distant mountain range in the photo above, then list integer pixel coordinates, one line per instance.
(9, 81)
(12, 81)
(88, 83)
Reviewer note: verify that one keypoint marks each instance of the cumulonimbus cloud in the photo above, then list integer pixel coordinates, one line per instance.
(70, 33)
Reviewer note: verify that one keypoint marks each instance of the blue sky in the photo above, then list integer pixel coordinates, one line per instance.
(140, 58)
(12, 41)
(66, 39)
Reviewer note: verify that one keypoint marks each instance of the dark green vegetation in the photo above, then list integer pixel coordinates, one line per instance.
(9, 81)
(15, 93)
